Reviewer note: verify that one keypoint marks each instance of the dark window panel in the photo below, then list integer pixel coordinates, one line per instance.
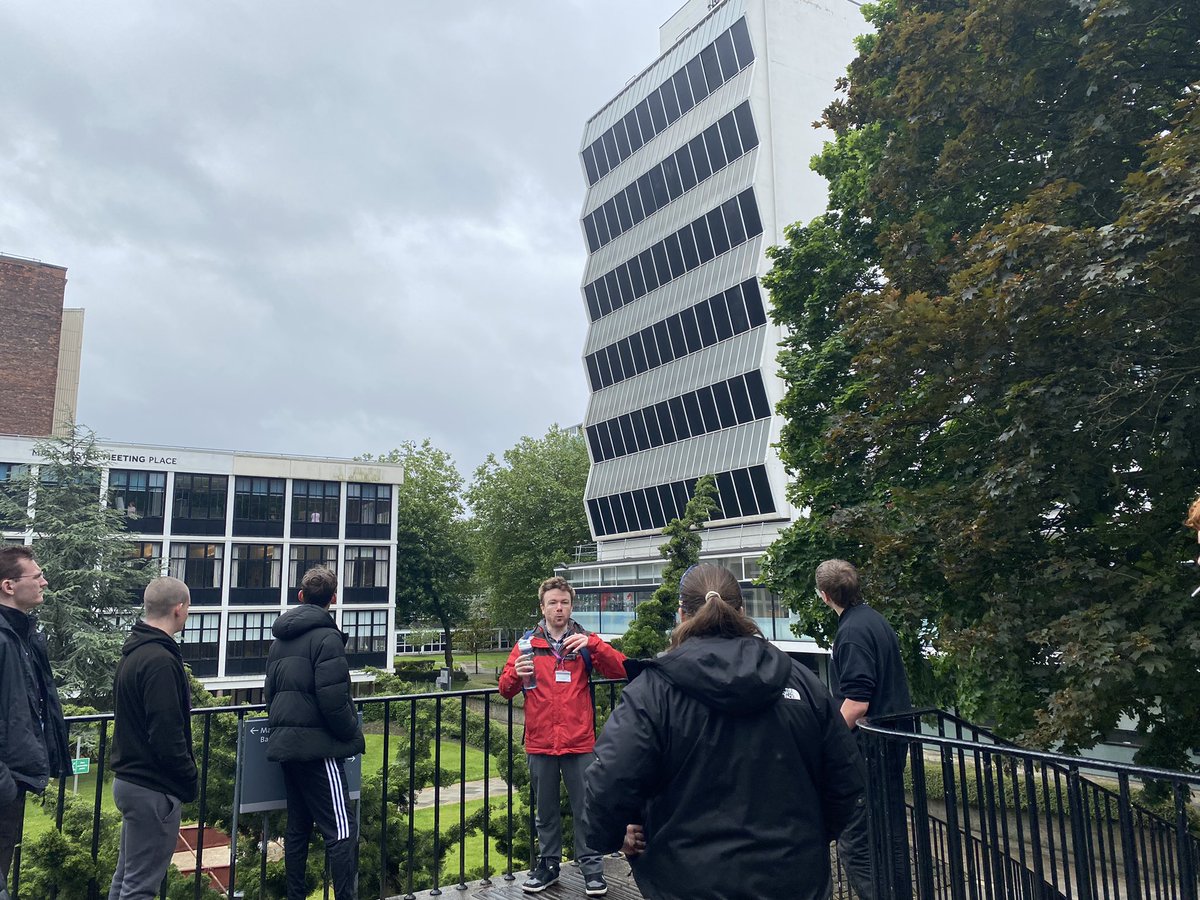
(700, 157)
(606, 442)
(589, 165)
(708, 333)
(593, 303)
(593, 370)
(683, 428)
(644, 121)
(634, 199)
(674, 255)
(682, 495)
(708, 408)
(639, 352)
(658, 115)
(726, 56)
(727, 497)
(594, 442)
(754, 302)
(670, 101)
(741, 43)
(663, 338)
(617, 438)
(602, 163)
(666, 498)
(696, 79)
(659, 251)
(602, 298)
(730, 142)
(589, 230)
(626, 285)
(610, 149)
(631, 519)
(653, 432)
(716, 228)
(750, 212)
(594, 517)
(602, 231)
(704, 245)
(655, 504)
(606, 373)
(618, 513)
(687, 171)
(626, 355)
(635, 275)
(639, 430)
(610, 213)
(643, 511)
(614, 290)
(741, 400)
(712, 68)
(646, 189)
(606, 515)
(678, 341)
(720, 314)
(658, 185)
(758, 395)
(633, 131)
(737, 310)
(627, 433)
(653, 357)
(716, 150)
(745, 492)
(724, 404)
(733, 221)
(747, 133)
(624, 217)
(646, 258)
(691, 406)
(622, 139)
(614, 360)
(683, 90)
(762, 489)
(665, 423)
(687, 243)
(671, 175)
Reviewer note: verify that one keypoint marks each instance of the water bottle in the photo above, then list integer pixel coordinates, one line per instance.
(525, 645)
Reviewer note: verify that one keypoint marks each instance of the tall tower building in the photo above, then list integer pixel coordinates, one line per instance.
(693, 170)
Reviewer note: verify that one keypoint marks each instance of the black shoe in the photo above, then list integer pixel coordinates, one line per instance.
(595, 885)
(542, 877)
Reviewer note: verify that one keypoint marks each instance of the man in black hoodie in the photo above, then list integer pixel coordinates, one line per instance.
(33, 741)
(152, 762)
(314, 728)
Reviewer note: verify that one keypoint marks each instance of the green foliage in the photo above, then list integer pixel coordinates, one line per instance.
(433, 541)
(529, 516)
(654, 618)
(991, 370)
(88, 561)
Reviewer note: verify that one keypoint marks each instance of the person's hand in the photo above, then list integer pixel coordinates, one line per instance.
(575, 643)
(635, 841)
(524, 664)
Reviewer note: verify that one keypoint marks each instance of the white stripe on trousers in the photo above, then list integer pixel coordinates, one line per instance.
(338, 798)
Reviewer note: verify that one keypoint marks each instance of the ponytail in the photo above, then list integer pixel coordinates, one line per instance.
(712, 599)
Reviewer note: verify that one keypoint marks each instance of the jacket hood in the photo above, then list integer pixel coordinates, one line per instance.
(143, 634)
(735, 676)
(303, 618)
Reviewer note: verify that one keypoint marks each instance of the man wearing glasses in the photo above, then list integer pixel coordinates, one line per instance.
(33, 746)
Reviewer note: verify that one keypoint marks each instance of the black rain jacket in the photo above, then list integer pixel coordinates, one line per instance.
(152, 700)
(29, 755)
(309, 704)
(738, 764)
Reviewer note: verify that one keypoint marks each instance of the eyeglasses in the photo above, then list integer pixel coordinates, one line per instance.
(36, 575)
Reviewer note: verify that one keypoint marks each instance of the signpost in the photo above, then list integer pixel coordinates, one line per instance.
(260, 781)
(81, 766)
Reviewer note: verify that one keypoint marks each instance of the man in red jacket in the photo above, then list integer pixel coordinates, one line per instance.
(560, 730)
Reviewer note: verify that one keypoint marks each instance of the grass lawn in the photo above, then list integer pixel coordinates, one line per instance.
(473, 847)
(488, 659)
(451, 758)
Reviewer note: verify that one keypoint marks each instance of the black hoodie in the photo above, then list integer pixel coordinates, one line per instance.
(309, 704)
(738, 764)
(152, 740)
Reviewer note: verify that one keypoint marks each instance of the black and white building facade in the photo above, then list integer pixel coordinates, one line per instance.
(241, 529)
(693, 170)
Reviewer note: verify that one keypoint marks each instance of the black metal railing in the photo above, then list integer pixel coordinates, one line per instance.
(986, 819)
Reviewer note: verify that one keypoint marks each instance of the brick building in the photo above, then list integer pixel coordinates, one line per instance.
(40, 346)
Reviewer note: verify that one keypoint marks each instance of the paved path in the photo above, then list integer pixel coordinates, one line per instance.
(616, 870)
(453, 793)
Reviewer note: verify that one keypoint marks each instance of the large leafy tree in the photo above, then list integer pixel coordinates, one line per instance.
(529, 516)
(433, 541)
(83, 547)
(992, 366)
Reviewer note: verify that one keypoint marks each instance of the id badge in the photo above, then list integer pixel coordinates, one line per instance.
(561, 675)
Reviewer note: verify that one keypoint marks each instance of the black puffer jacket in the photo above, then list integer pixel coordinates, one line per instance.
(727, 752)
(309, 703)
(29, 756)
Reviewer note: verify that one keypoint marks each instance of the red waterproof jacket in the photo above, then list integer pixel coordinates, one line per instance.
(558, 714)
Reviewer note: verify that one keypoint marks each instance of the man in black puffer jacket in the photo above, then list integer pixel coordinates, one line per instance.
(314, 728)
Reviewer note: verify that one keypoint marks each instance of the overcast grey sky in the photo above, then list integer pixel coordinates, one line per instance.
(314, 228)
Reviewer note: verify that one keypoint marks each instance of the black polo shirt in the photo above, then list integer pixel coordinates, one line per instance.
(866, 665)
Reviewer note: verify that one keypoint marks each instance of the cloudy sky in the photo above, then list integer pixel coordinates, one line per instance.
(314, 228)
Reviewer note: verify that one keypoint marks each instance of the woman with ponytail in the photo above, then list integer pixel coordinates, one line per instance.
(730, 759)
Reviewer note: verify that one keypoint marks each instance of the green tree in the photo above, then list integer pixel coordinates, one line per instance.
(529, 516)
(83, 548)
(433, 540)
(991, 372)
(476, 633)
(654, 618)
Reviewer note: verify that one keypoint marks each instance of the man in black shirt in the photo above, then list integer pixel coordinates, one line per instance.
(867, 678)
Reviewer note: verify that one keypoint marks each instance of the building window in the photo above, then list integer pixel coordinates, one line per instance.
(366, 631)
(315, 508)
(248, 642)
(256, 567)
(366, 575)
(199, 506)
(200, 643)
(368, 510)
(305, 557)
(199, 567)
(141, 496)
(258, 506)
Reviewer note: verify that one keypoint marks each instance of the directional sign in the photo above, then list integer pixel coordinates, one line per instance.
(81, 766)
(262, 787)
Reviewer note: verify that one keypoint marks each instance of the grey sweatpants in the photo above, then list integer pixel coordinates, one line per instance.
(149, 831)
(544, 772)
